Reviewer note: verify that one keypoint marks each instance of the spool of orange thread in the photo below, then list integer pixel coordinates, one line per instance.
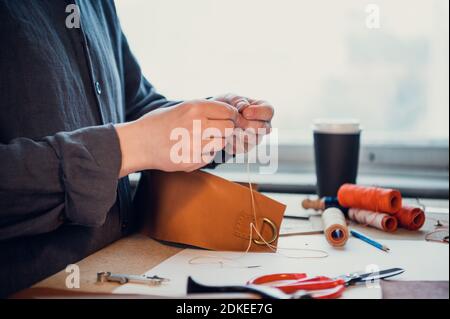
(370, 198)
(411, 218)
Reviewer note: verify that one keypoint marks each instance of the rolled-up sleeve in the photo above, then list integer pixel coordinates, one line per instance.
(70, 177)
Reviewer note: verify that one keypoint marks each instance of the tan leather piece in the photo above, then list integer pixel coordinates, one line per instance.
(203, 210)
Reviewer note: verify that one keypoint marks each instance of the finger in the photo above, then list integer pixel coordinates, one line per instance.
(213, 145)
(219, 128)
(241, 121)
(258, 102)
(239, 102)
(256, 127)
(262, 112)
(235, 145)
(241, 141)
(207, 151)
(215, 110)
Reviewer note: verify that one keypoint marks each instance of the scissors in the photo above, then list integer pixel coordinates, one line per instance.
(295, 285)
(321, 287)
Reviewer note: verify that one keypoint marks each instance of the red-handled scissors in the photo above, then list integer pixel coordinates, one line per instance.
(295, 286)
(320, 287)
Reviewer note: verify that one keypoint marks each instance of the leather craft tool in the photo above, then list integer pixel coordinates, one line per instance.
(123, 279)
(295, 285)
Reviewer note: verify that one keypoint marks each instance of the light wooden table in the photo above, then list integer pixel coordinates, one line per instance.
(137, 254)
(131, 255)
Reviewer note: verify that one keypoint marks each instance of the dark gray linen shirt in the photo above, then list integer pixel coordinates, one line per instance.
(61, 89)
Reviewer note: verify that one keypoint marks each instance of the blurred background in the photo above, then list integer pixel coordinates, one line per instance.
(311, 59)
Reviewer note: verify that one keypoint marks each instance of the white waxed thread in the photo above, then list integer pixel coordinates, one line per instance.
(254, 226)
(368, 218)
(335, 227)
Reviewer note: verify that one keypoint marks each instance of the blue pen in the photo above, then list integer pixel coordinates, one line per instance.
(369, 240)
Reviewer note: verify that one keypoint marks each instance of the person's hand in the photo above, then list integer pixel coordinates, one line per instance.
(167, 139)
(254, 119)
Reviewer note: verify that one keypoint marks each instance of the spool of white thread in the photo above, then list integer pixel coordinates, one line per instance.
(335, 227)
(377, 220)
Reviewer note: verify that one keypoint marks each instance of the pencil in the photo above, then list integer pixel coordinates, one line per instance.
(369, 240)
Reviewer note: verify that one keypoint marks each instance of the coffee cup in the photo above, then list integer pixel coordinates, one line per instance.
(336, 152)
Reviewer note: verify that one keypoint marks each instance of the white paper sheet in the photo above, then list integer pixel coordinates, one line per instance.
(421, 260)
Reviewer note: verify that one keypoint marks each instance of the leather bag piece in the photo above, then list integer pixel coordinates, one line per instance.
(206, 211)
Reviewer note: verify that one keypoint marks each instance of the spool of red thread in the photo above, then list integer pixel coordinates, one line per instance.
(411, 218)
(370, 198)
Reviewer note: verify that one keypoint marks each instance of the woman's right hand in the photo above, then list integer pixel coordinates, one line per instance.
(155, 141)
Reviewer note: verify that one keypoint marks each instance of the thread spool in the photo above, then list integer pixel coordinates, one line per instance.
(370, 198)
(411, 218)
(320, 204)
(335, 227)
(316, 204)
(381, 221)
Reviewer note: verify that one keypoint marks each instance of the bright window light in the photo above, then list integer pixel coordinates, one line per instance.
(310, 58)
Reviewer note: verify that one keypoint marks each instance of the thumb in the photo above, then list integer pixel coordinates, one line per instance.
(241, 121)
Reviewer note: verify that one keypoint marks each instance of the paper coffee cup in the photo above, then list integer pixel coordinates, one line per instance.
(336, 152)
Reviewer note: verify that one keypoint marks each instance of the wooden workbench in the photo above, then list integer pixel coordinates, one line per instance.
(137, 254)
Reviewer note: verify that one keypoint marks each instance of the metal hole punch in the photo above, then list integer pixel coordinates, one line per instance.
(122, 279)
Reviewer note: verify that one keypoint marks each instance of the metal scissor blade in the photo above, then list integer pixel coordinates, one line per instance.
(372, 276)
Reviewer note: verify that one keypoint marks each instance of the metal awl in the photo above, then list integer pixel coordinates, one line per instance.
(123, 278)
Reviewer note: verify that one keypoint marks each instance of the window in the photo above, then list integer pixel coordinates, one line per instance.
(311, 59)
